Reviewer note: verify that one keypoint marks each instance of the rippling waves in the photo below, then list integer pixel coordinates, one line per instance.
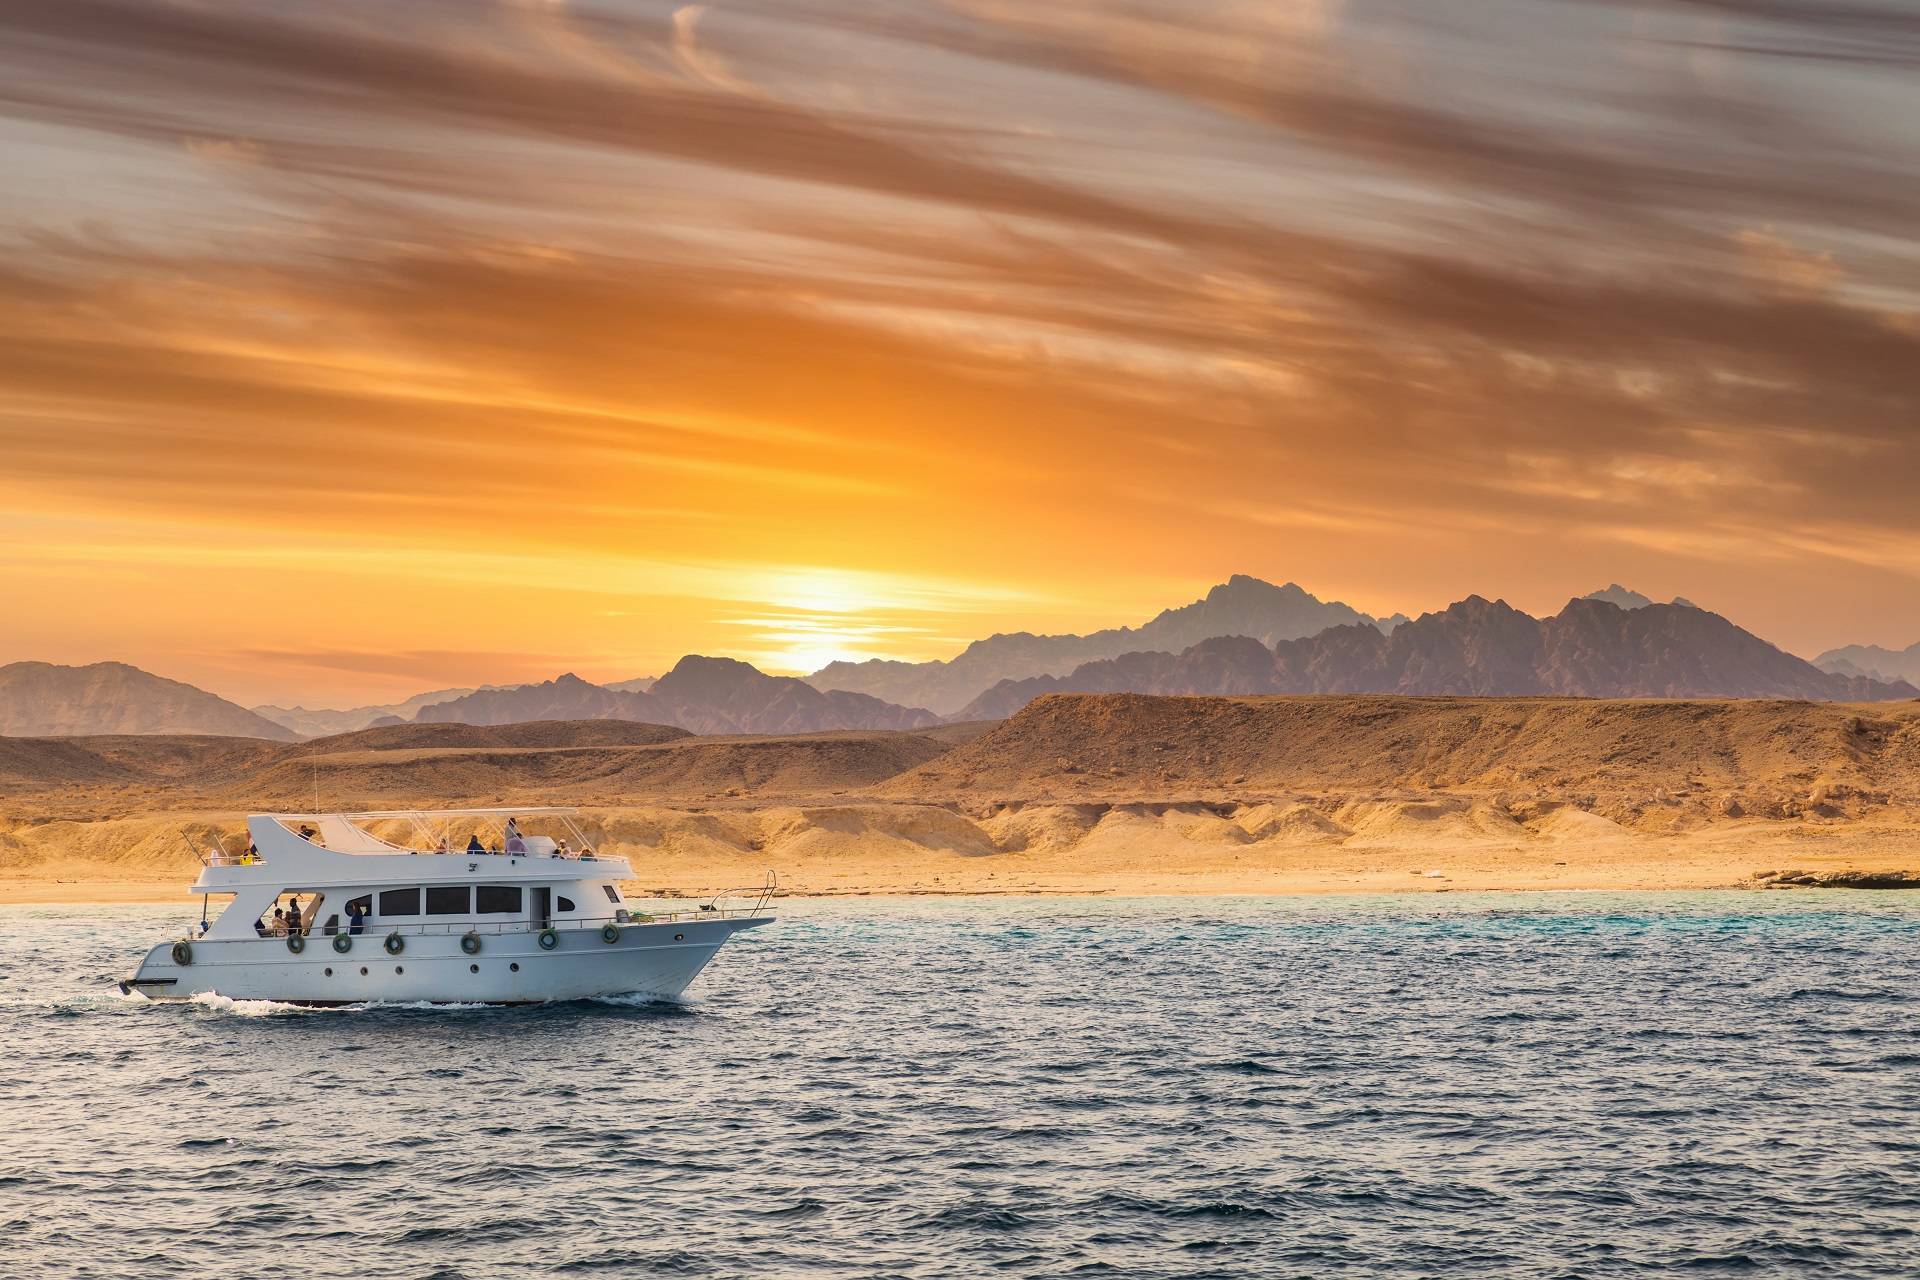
(1503, 1085)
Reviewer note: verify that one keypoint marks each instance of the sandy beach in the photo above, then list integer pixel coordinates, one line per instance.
(1152, 858)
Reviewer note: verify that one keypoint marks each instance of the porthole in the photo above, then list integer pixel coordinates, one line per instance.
(473, 968)
(329, 973)
(399, 968)
(679, 937)
(515, 966)
(363, 971)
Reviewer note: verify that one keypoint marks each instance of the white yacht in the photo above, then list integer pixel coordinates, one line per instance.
(341, 908)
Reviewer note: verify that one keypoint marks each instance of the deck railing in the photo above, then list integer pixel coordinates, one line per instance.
(215, 856)
(572, 855)
(734, 901)
(376, 928)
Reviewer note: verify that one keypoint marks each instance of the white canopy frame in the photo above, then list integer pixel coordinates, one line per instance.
(422, 821)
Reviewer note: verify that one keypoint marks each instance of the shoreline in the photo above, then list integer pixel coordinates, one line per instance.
(171, 892)
(845, 853)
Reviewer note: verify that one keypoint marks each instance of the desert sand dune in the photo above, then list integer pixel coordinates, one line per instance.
(1117, 793)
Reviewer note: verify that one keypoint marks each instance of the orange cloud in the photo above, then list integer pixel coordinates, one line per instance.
(621, 331)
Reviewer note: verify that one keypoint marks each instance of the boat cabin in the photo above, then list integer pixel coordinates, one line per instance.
(446, 871)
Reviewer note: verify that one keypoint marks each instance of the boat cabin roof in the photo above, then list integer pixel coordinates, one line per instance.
(347, 832)
(359, 849)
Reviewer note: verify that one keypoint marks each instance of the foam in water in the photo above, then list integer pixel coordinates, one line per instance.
(246, 1008)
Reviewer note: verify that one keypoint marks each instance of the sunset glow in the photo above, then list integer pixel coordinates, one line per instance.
(352, 349)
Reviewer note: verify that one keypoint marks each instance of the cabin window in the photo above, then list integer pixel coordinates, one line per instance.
(447, 900)
(566, 904)
(497, 899)
(400, 902)
(613, 894)
(364, 902)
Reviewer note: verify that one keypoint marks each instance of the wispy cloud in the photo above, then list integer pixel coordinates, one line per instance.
(1048, 302)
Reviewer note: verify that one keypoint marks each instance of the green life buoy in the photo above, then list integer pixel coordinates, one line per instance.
(183, 952)
(394, 944)
(296, 943)
(342, 943)
(609, 932)
(470, 943)
(549, 938)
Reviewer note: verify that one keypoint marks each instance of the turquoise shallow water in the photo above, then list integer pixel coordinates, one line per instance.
(1497, 1085)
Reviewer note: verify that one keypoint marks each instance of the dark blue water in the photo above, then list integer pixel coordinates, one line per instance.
(1499, 1085)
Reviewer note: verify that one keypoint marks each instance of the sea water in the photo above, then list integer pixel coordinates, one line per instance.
(1458, 1085)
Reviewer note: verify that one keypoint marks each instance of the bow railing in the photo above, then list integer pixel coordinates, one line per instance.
(734, 901)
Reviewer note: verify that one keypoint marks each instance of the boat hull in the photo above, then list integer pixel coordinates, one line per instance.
(657, 960)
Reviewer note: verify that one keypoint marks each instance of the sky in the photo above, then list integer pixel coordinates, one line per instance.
(354, 349)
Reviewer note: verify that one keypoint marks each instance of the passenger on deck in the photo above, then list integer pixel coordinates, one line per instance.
(356, 918)
(307, 833)
(279, 929)
(474, 845)
(560, 850)
(515, 845)
(441, 847)
(293, 915)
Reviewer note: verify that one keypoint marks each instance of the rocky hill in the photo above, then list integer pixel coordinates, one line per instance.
(1873, 662)
(1765, 758)
(319, 723)
(1591, 648)
(700, 695)
(1077, 793)
(41, 699)
(566, 697)
(136, 768)
(532, 733)
(722, 695)
(555, 762)
(1241, 606)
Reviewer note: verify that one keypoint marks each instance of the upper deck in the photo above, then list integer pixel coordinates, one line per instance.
(345, 849)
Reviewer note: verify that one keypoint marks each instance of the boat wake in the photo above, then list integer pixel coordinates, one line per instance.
(245, 1008)
(640, 999)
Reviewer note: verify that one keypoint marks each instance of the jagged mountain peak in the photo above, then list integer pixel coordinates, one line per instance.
(1873, 661)
(1243, 605)
(1476, 646)
(700, 676)
(1615, 594)
(700, 694)
(1626, 598)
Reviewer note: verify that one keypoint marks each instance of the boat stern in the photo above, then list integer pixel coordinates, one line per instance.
(160, 973)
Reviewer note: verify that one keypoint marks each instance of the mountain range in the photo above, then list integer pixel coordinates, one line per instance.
(1591, 648)
(702, 695)
(39, 699)
(325, 722)
(1872, 661)
(1241, 606)
(1244, 637)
